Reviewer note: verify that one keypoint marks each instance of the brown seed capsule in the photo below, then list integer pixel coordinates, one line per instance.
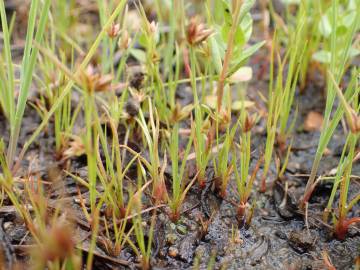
(354, 123)
(93, 81)
(197, 32)
(124, 41)
(137, 80)
(249, 123)
(132, 107)
(153, 27)
(114, 30)
(173, 252)
(74, 148)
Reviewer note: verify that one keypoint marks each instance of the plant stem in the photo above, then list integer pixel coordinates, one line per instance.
(228, 54)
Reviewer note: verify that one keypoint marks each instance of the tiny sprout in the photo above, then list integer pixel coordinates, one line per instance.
(113, 30)
(197, 32)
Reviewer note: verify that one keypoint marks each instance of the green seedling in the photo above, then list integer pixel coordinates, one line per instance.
(68, 87)
(281, 98)
(244, 180)
(15, 110)
(64, 117)
(113, 173)
(339, 56)
(274, 108)
(202, 143)
(149, 39)
(304, 25)
(343, 175)
(151, 135)
(295, 55)
(144, 242)
(179, 188)
(342, 182)
(223, 167)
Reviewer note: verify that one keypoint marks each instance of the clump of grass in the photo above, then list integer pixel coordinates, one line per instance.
(223, 168)
(179, 187)
(54, 245)
(15, 110)
(344, 169)
(342, 181)
(202, 143)
(245, 180)
(274, 101)
(339, 55)
(281, 98)
(152, 138)
(70, 84)
(64, 117)
(144, 241)
(295, 54)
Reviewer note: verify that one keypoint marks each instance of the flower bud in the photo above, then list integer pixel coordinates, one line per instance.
(113, 30)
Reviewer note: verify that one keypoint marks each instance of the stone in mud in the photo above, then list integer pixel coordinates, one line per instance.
(301, 241)
(187, 246)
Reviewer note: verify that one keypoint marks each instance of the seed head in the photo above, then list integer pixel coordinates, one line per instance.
(124, 41)
(93, 81)
(249, 123)
(113, 30)
(354, 122)
(197, 32)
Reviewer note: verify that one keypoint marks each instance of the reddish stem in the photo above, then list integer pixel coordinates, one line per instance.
(201, 181)
(241, 210)
(186, 62)
(263, 184)
(174, 216)
(343, 225)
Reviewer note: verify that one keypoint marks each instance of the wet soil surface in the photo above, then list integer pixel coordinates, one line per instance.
(208, 233)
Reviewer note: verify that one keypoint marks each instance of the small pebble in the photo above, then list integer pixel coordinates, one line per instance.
(281, 235)
(181, 229)
(193, 227)
(132, 107)
(173, 226)
(137, 80)
(7, 225)
(227, 221)
(171, 238)
(173, 252)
